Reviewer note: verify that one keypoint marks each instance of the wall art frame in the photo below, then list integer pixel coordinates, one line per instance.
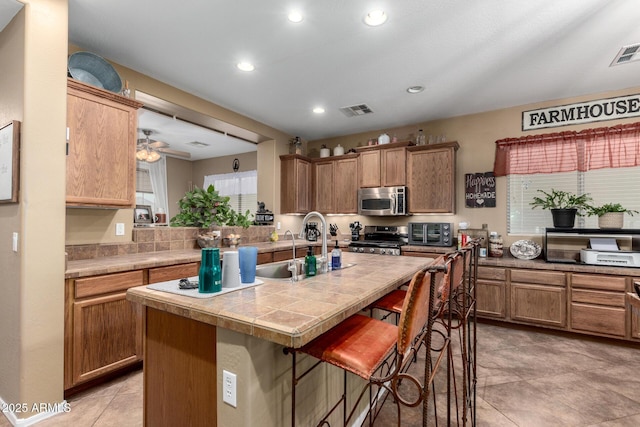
(10, 162)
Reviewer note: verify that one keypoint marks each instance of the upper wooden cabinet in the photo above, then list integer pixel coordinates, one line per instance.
(431, 172)
(336, 184)
(101, 163)
(383, 165)
(295, 184)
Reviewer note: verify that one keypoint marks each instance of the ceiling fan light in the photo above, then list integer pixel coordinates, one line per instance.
(153, 156)
(141, 155)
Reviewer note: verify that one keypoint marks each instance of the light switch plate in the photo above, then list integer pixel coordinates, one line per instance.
(14, 242)
(120, 229)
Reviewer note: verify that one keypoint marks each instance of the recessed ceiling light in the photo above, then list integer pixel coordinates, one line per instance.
(295, 17)
(415, 89)
(318, 110)
(246, 66)
(375, 18)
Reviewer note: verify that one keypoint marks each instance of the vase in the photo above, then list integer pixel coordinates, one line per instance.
(611, 220)
(563, 218)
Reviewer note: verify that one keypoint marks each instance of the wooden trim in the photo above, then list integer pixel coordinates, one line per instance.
(94, 90)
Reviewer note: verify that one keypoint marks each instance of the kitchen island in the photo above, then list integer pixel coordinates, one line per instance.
(189, 342)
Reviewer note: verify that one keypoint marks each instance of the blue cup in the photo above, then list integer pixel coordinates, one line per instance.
(248, 256)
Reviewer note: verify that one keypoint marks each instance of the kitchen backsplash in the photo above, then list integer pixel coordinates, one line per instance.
(158, 239)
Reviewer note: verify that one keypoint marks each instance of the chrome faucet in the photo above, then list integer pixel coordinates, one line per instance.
(293, 264)
(324, 256)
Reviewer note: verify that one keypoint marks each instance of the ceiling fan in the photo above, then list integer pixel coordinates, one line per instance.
(149, 150)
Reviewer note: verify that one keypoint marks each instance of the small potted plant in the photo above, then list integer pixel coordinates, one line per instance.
(204, 208)
(610, 215)
(564, 206)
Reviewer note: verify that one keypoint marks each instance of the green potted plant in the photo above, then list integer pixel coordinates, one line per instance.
(564, 206)
(204, 208)
(610, 215)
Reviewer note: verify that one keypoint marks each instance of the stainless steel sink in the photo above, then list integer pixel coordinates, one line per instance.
(279, 270)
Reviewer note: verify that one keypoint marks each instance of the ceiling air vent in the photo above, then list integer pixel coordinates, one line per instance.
(356, 110)
(198, 144)
(627, 54)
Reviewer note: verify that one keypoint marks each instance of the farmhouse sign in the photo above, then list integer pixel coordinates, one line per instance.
(621, 107)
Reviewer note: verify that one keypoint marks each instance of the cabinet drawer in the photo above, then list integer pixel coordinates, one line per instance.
(599, 281)
(265, 257)
(97, 285)
(602, 320)
(598, 297)
(554, 278)
(492, 273)
(173, 272)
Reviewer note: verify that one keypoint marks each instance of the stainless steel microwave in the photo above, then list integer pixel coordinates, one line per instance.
(430, 233)
(382, 201)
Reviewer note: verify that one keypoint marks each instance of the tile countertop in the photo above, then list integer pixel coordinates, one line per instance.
(292, 314)
(120, 263)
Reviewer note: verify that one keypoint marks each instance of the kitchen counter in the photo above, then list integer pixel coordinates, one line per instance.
(120, 263)
(292, 314)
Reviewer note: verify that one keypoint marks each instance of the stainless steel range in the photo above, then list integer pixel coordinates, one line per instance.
(381, 239)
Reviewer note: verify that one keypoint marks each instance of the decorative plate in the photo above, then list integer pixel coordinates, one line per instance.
(525, 249)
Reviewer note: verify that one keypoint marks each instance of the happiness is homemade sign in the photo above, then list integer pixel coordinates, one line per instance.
(620, 107)
(480, 190)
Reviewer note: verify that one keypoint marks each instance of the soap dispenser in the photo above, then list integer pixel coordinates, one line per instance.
(336, 257)
(310, 263)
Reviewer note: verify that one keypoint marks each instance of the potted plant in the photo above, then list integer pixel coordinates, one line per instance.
(564, 206)
(204, 208)
(610, 215)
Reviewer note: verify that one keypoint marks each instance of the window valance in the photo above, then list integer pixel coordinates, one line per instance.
(611, 147)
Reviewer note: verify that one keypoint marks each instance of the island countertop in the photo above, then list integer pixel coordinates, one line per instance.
(292, 314)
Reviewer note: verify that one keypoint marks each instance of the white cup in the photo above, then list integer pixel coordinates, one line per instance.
(230, 269)
(463, 225)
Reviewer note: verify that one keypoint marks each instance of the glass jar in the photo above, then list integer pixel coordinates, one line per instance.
(495, 245)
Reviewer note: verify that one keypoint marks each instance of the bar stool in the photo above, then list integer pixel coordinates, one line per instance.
(366, 347)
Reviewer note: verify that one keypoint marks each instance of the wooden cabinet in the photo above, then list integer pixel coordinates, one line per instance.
(335, 183)
(538, 297)
(491, 291)
(383, 166)
(431, 171)
(295, 184)
(101, 144)
(598, 304)
(103, 331)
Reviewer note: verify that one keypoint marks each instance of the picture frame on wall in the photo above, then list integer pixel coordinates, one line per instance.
(10, 162)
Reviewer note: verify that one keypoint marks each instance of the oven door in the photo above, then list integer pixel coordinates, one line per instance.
(433, 233)
(417, 233)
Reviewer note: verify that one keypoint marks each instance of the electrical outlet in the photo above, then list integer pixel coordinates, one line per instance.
(229, 388)
(278, 225)
(120, 229)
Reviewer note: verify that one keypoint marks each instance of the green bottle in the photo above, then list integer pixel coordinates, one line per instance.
(310, 263)
(210, 277)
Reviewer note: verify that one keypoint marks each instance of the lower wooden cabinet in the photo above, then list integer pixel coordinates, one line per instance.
(539, 297)
(103, 331)
(598, 304)
(490, 292)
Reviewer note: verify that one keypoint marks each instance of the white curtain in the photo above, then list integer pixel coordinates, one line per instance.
(158, 175)
(229, 184)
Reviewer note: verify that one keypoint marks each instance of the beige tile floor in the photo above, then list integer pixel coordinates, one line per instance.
(526, 378)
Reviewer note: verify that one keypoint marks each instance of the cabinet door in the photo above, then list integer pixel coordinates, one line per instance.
(490, 292)
(538, 304)
(295, 184)
(345, 181)
(393, 167)
(101, 149)
(323, 186)
(107, 335)
(369, 166)
(431, 178)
